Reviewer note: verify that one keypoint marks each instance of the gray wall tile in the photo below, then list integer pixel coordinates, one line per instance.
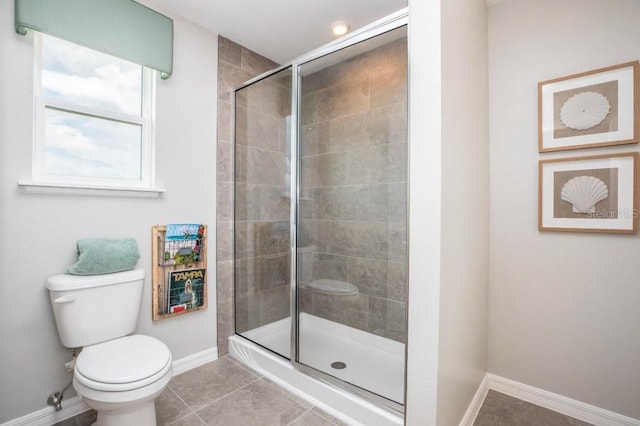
(359, 187)
(236, 65)
(228, 51)
(354, 176)
(330, 266)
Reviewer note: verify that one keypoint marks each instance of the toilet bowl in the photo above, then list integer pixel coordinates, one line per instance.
(121, 378)
(117, 373)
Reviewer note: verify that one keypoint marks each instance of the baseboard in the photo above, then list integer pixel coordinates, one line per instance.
(196, 360)
(48, 416)
(74, 406)
(570, 407)
(476, 403)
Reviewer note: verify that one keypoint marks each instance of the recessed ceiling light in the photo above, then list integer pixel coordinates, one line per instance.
(340, 28)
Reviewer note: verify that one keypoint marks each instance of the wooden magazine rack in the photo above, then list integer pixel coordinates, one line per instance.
(163, 272)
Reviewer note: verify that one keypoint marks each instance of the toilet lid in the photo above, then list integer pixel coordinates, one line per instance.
(121, 364)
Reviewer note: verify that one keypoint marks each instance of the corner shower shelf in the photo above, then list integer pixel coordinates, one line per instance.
(333, 287)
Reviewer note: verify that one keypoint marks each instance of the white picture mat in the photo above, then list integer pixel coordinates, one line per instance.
(625, 108)
(625, 191)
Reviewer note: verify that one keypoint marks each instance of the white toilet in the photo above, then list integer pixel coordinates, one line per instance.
(117, 374)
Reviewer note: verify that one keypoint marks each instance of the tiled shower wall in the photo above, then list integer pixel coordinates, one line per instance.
(354, 188)
(236, 65)
(353, 205)
(262, 203)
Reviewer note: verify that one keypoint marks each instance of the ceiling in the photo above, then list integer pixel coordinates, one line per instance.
(279, 29)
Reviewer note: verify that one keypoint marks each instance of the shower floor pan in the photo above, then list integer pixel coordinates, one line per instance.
(360, 358)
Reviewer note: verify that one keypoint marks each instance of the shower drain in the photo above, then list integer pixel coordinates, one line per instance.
(338, 365)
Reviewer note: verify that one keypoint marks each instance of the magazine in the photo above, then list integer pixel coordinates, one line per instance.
(186, 289)
(182, 244)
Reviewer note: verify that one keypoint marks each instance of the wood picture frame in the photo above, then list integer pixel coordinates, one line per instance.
(591, 109)
(589, 194)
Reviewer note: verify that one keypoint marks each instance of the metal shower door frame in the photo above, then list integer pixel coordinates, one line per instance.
(386, 24)
(382, 26)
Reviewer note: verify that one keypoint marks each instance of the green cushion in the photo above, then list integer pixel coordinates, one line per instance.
(104, 256)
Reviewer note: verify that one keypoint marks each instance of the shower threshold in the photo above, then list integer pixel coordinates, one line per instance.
(370, 362)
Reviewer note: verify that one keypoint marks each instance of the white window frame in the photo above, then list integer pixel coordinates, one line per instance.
(146, 120)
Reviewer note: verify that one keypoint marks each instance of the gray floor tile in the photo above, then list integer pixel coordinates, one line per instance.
(72, 421)
(502, 410)
(190, 420)
(83, 419)
(226, 393)
(170, 407)
(258, 404)
(203, 385)
(304, 403)
(329, 417)
(311, 418)
(87, 418)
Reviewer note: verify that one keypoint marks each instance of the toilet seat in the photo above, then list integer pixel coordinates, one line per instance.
(123, 364)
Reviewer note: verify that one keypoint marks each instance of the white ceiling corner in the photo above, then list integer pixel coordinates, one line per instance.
(283, 29)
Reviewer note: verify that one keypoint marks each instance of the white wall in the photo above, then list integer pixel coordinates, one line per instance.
(465, 207)
(424, 212)
(564, 307)
(38, 232)
(449, 189)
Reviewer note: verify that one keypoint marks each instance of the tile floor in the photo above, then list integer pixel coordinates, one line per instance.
(502, 410)
(225, 392)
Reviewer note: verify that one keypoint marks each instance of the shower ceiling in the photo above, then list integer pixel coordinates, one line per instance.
(279, 29)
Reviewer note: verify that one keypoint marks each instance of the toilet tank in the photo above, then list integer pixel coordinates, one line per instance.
(95, 308)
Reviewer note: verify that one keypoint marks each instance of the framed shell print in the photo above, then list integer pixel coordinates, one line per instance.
(589, 194)
(591, 109)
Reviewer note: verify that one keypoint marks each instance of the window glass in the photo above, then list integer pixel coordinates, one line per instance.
(93, 117)
(85, 77)
(85, 146)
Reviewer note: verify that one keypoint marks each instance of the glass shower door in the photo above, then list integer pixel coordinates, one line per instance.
(262, 212)
(352, 215)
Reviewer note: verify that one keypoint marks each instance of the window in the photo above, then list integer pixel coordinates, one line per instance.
(93, 118)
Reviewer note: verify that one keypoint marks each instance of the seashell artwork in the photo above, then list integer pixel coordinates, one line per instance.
(584, 110)
(584, 192)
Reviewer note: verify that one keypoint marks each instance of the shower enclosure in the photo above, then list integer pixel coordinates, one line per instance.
(320, 221)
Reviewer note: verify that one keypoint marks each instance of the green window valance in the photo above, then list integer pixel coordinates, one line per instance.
(121, 28)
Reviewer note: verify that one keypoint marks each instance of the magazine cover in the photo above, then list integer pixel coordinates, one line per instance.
(186, 289)
(183, 242)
